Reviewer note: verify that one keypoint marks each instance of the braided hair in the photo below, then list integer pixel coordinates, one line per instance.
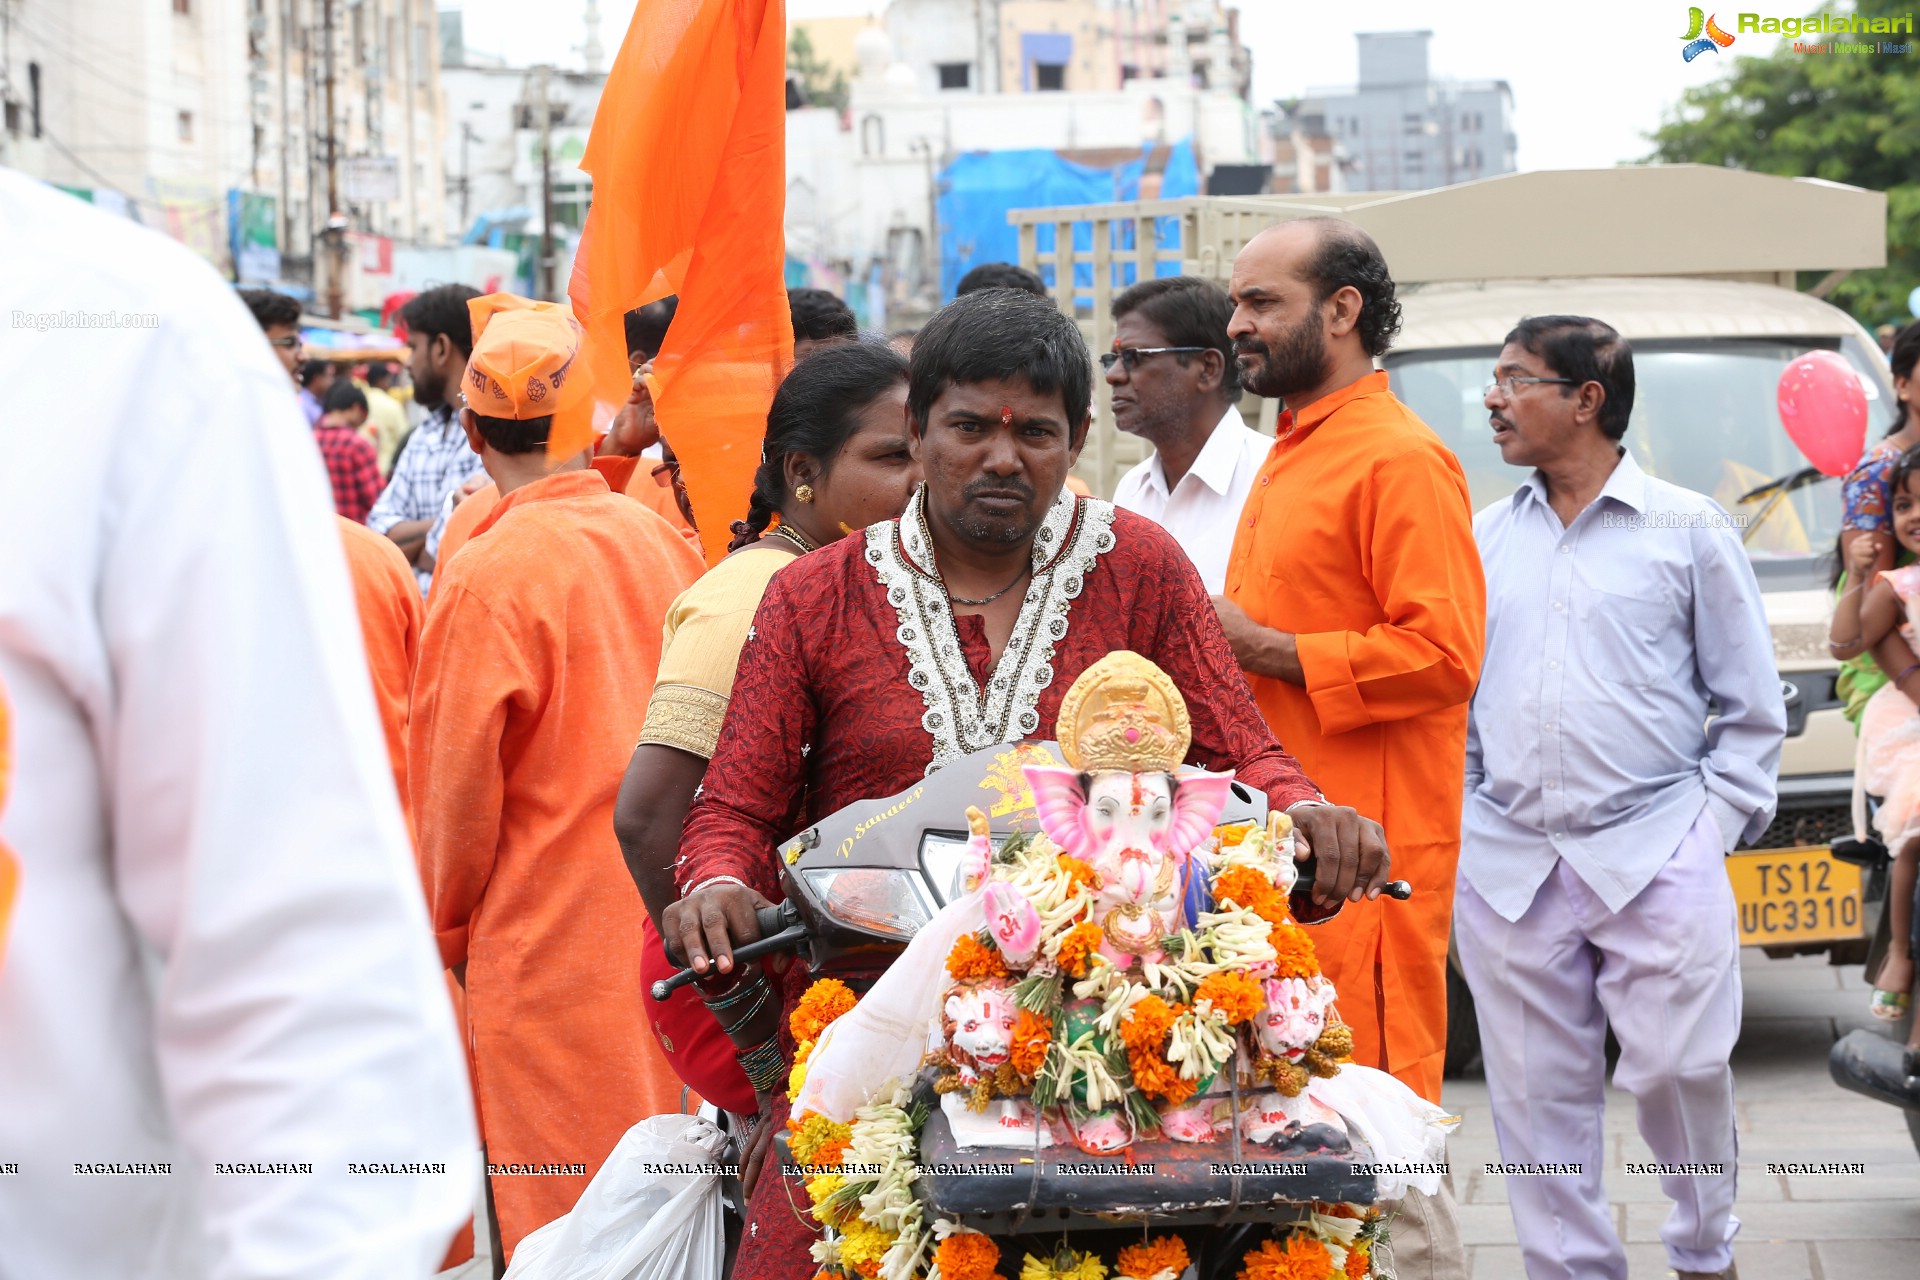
(814, 413)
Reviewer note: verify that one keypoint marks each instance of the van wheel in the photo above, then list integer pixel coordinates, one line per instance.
(1462, 1059)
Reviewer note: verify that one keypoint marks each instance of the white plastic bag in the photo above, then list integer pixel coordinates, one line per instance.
(885, 1036)
(651, 1213)
(1406, 1133)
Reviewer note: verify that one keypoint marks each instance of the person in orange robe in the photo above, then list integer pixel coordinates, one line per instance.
(523, 716)
(1356, 605)
(388, 600)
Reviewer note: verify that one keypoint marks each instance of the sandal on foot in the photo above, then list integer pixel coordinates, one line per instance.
(1890, 1006)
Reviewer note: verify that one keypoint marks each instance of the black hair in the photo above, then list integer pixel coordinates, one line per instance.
(379, 373)
(1191, 312)
(820, 315)
(270, 308)
(815, 412)
(996, 334)
(1585, 350)
(311, 369)
(514, 435)
(343, 395)
(1901, 360)
(1344, 256)
(647, 326)
(1000, 275)
(442, 312)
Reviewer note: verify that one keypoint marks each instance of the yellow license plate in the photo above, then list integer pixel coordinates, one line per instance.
(1795, 895)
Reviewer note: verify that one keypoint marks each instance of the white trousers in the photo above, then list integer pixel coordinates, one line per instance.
(1665, 971)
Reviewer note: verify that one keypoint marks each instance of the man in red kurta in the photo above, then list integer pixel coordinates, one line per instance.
(867, 661)
(523, 716)
(1356, 605)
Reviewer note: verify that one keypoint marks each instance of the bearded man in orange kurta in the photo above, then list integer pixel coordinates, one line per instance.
(523, 716)
(1356, 605)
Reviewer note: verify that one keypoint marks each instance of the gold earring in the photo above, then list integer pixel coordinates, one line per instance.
(804, 493)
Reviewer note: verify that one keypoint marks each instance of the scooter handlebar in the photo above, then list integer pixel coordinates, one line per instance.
(779, 928)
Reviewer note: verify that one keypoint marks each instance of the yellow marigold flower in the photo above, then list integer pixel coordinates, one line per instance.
(863, 1244)
(815, 1132)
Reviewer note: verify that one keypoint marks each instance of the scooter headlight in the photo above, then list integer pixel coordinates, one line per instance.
(889, 901)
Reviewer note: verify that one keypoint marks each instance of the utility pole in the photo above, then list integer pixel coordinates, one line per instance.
(466, 172)
(546, 186)
(336, 227)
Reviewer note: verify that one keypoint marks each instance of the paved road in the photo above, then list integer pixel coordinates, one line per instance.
(1795, 1228)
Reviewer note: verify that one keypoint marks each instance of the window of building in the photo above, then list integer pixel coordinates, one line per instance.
(956, 75)
(1415, 124)
(186, 126)
(1413, 159)
(1049, 76)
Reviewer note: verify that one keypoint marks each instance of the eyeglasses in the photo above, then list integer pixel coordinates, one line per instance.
(291, 341)
(1508, 383)
(1130, 357)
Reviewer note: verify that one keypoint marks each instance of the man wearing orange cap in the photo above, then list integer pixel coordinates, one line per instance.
(522, 720)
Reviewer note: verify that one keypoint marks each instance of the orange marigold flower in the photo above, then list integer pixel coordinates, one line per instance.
(1233, 835)
(824, 1001)
(1360, 1261)
(1147, 1023)
(1234, 995)
(1296, 954)
(1243, 886)
(1139, 1261)
(830, 1154)
(967, 1256)
(1301, 1258)
(1076, 945)
(1144, 1032)
(971, 958)
(1082, 875)
(1032, 1034)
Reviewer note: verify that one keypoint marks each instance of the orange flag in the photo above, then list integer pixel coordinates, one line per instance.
(688, 159)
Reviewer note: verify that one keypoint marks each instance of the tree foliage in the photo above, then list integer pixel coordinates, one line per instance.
(1852, 118)
(826, 86)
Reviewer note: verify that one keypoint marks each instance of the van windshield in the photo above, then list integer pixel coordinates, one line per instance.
(1703, 418)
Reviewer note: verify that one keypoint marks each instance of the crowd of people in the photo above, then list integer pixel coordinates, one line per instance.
(1509, 711)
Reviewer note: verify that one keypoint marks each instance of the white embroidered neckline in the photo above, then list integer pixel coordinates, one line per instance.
(1075, 533)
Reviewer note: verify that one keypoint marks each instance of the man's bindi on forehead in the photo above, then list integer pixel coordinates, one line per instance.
(1006, 415)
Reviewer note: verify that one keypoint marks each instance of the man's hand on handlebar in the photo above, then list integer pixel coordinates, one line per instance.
(1350, 852)
(707, 924)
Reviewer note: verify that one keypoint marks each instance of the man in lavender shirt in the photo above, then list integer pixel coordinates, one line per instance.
(1600, 804)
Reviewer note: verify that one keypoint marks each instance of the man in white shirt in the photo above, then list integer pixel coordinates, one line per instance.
(226, 1047)
(1175, 383)
(1601, 801)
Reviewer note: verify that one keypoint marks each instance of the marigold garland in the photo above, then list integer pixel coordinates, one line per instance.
(1144, 1261)
(1302, 1258)
(1296, 957)
(813, 1133)
(1236, 834)
(1082, 874)
(1032, 1035)
(822, 1188)
(862, 1245)
(825, 1000)
(1144, 1031)
(1076, 945)
(967, 1256)
(971, 959)
(1360, 1261)
(1233, 995)
(1243, 886)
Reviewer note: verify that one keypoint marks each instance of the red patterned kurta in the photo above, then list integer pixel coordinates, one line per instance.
(824, 712)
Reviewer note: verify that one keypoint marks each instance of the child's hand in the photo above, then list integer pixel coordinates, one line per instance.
(1861, 554)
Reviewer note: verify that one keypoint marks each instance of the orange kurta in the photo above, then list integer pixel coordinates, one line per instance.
(387, 597)
(624, 475)
(530, 692)
(1358, 540)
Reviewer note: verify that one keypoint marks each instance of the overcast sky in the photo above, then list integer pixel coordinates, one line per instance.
(1585, 87)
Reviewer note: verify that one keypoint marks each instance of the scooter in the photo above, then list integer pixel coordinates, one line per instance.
(1869, 1062)
(862, 881)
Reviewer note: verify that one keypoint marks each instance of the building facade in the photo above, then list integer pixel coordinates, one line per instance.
(1402, 129)
(201, 117)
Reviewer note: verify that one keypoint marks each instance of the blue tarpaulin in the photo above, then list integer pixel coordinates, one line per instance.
(980, 188)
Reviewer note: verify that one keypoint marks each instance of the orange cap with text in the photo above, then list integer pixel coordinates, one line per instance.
(525, 358)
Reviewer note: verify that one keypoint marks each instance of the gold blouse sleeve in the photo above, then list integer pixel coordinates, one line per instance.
(700, 649)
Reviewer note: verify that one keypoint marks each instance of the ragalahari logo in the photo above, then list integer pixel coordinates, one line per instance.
(1714, 39)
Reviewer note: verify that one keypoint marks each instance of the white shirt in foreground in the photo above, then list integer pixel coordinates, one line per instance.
(1204, 509)
(220, 953)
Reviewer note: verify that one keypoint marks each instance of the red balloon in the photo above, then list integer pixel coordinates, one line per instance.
(1824, 409)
